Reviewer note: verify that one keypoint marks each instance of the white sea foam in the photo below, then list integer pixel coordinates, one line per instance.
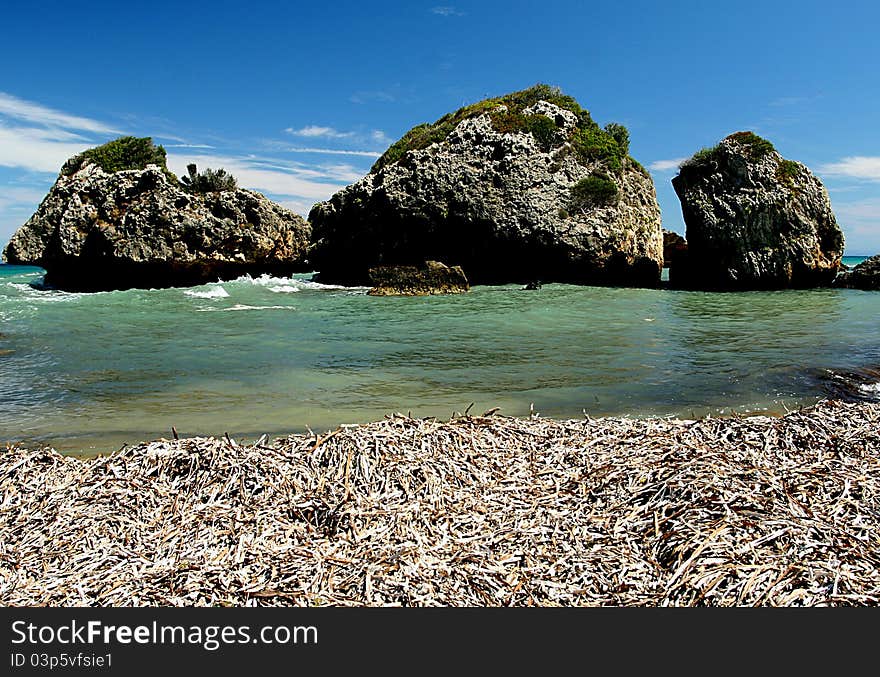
(239, 306)
(33, 293)
(285, 289)
(213, 293)
(870, 388)
(288, 285)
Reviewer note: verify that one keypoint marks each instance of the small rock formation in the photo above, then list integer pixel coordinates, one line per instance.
(674, 246)
(754, 220)
(100, 230)
(522, 187)
(432, 277)
(865, 275)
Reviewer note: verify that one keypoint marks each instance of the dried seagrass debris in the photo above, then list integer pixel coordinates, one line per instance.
(476, 511)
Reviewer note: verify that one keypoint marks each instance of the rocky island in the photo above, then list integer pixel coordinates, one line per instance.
(755, 220)
(515, 188)
(865, 276)
(432, 277)
(117, 218)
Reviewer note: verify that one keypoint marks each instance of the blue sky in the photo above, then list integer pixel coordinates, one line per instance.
(297, 100)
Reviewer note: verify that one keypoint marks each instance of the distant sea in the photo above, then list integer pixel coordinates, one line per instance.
(87, 373)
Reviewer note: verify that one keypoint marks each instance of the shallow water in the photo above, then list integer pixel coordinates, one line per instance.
(90, 372)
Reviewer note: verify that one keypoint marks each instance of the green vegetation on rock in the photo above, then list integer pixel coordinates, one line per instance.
(540, 126)
(127, 152)
(702, 157)
(620, 134)
(595, 144)
(787, 171)
(590, 142)
(593, 191)
(209, 181)
(756, 148)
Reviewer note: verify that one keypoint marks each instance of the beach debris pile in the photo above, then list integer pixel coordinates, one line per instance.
(477, 511)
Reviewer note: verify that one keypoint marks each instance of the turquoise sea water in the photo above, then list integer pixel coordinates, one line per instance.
(90, 372)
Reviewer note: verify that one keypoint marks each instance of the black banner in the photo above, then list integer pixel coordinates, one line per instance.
(403, 641)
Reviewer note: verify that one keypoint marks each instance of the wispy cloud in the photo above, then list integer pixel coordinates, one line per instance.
(188, 145)
(287, 182)
(375, 138)
(860, 221)
(666, 165)
(35, 141)
(366, 96)
(381, 138)
(856, 167)
(860, 210)
(446, 10)
(20, 198)
(37, 138)
(28, 111)
(37, 150)
(334, 151)
(315, 131)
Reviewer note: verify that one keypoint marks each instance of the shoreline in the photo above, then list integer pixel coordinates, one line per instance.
(247, 438)
(474, 511)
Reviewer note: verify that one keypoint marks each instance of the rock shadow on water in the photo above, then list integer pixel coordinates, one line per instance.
(850, 385)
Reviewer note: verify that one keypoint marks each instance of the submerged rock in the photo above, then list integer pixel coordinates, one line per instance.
(432, 277)
(865, 275)
(522, 187)
(754, 220)
(101, 229)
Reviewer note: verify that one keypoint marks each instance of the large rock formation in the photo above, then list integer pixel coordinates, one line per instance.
(100, 230)
(865, 275)
(754, 220)
(512, 189)
(432, 277)
(674, 246)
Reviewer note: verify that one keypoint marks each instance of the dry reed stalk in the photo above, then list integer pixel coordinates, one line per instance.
(477, 511)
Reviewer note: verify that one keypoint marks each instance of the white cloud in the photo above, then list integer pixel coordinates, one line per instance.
(34, 138)
(28, 111)
(666, 165)
(314, 131)
(856, 167)
(20, 198)
(269, 176)
(860, 221)
(187, 145)
(37, 150)
(380, 137)
(446, 10)
(862, 211)
(302, 207)
(17, 203)
(334, 151)
(376, 136)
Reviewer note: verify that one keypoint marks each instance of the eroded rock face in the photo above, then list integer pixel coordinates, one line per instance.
(865, 275)
(754, 220)
(432, 277)
(97, 231)
(501, 204)
(674, 246)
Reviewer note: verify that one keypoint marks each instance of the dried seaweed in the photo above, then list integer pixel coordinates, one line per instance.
(476, 511)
